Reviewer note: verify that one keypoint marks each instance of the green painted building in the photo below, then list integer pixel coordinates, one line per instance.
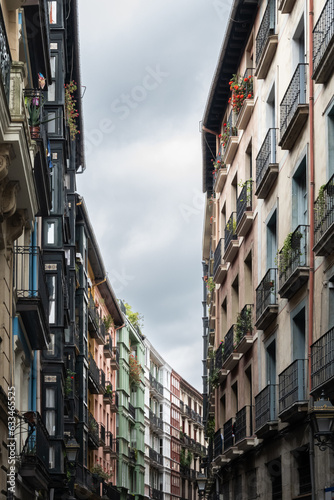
(130, 424)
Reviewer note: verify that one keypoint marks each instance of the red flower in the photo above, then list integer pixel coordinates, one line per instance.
(218, 161)
(246, 80)
(219, 136)
(236, 87)
(242, 96)
(224, 124)
(249, 96)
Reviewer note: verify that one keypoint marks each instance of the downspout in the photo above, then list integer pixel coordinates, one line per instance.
(311, 204)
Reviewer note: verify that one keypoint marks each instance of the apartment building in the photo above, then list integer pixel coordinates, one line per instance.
(267, 252)
(157, 425)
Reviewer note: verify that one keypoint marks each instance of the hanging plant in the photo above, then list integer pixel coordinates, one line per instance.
(135, 370)
(71, 111)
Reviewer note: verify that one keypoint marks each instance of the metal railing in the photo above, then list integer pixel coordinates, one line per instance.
(266, 292)
(156, 385)
(323, 33)
(36, 446)
(230, 230)
(93, 370)
(249, 84)
(267, 28)
(156, 494)
(102, 433)
(297, 255)
(93, 427)
(324, 210)
(111, 443)
(155, 456)
(219, 356)
(218, 443)
(217, 256)
(244, 201)
(229, 342)
(322, 359)
(5, 56)
(115, 355)
(292, 384)
(265, 406)
(266, 155)
(229, 129)
(243, 426)
(102, 379)
(228, 434)
(155, 420)
(29, 276)
(294, 95)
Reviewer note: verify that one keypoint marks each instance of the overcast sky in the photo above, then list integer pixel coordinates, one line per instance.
(147, 66)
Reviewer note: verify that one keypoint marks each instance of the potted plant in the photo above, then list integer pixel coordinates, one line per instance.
(68, 382)
(34, 105)
(242, 89)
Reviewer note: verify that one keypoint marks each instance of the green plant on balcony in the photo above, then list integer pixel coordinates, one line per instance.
(214, 378)
(108, 322)
(99, 471)
(210, 428)
(33, 104)
(69, 382)
(242, 89)
(232, 226)
(248, 185)
(109, 390)
(71, 112)
(291, 245)
(185, 458)
(211, 285)
(228, 131)
(136, 319)
(134, 370)
(321, 202)
(92, 426)
(243, 325)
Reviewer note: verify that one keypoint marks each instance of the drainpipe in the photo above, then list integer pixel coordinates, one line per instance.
(311, 278)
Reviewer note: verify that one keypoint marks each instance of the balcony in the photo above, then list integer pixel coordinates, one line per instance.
(294, 108)
(156, 494)
(266, 300)
(244, 330)
(266, 41)
(230, 450)
(155, 457)
(107, 348)
(292, 389)
(266, 166)
(230, 357)
(102, 434)
(32, 296)
(324, 220)
(93, 376)
(102, 382)
(132, 411)
(243, 429)
(219, 266)
(114, 360)
(94, 323)
(293, 263)
(220, 179)
(34, 455)
(231, 139)
(248, 105)
(231, 244)
(84, 484)
(93, 433)
(110, 397)
(322, 364)
(219, 363)
(286, 6)
(156, 387)
(266, 411)
(156, 422)
(111, 445)
(218, 452)
(323, 44)
(245, 212)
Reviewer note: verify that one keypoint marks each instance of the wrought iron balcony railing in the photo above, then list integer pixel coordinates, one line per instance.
(267, 28)
(93, 429)
(111, 443)
(132, 411)
(93, 370)
(244, 201)
(115, 355)
(217, 256)
(296, 255)
(228, 434)
(155, 420)
(156, 385)
(219, 356)
(265, 406)
(102, 433)
(155, 456)
(324, 211)
(323, 33)
(230, 230)
(294, 95)
(5, 56)
(292, 384)
(266, 292)
(35, 450)
(322, 360)
(229, 342)
(156, 494)
(243, 425)
(218, 443)
(266, 155)
(229, 130)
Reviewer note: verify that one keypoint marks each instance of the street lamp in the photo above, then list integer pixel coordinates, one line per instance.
(72, 448)
(201, 482)
(322, 420)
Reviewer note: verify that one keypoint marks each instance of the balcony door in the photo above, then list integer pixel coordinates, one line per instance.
(299, 196)
(298, 335)
(271, 362)
(272, 241)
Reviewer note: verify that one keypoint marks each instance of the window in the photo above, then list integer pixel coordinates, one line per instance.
(299, 195)
(275, 473)
(52, 462)
(271, 362)
(272, 240)
(50, 411)
(51, 346)
(53, 12)
(51, 282)
(298, 334)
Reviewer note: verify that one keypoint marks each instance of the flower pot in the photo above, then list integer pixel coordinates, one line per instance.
(35, 131)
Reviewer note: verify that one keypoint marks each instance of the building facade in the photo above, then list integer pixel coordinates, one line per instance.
(267, 251)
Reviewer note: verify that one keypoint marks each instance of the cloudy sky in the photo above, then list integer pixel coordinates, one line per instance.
(147, 66)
